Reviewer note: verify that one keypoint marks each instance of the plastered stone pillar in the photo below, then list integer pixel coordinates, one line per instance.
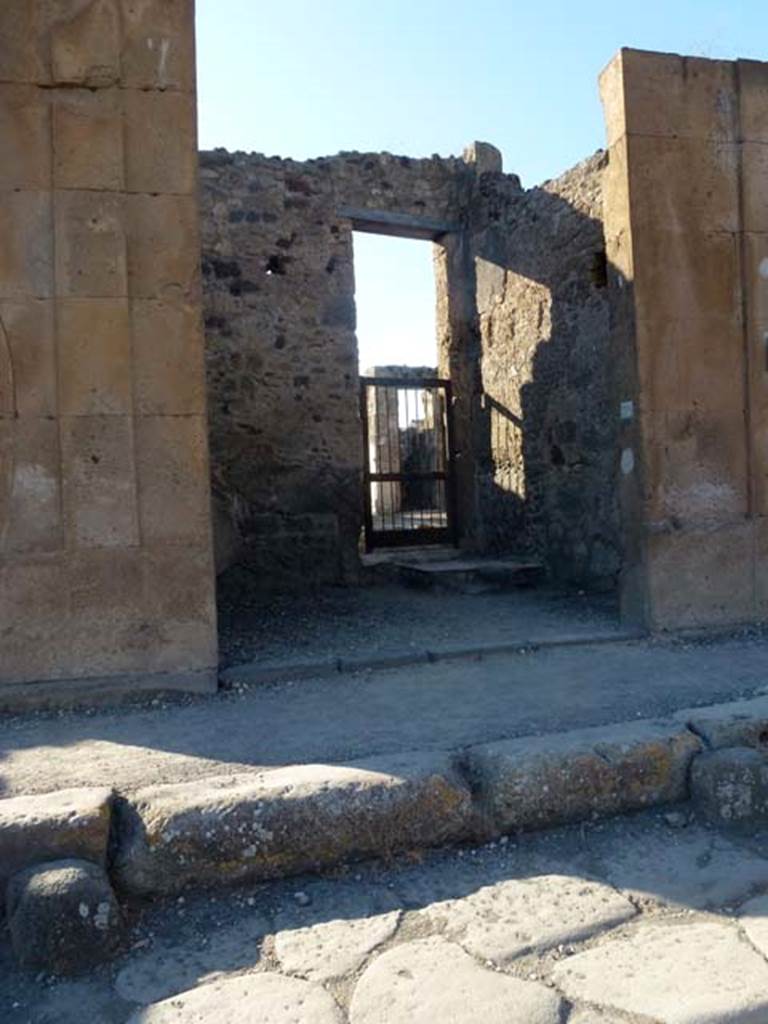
(105, 562)
(686, 216)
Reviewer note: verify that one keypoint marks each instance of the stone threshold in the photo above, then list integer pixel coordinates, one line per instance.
(253, 673)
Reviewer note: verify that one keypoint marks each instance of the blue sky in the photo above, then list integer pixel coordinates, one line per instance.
(312, 77)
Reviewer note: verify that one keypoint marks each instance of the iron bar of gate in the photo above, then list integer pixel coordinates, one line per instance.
(415, 514)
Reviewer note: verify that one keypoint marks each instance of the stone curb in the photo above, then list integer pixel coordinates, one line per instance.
(65, 823)
(253, 673)
(265, 825)
(286, 821)
(540, 781)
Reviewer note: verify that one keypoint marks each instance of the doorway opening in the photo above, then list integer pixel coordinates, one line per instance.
(405, 404)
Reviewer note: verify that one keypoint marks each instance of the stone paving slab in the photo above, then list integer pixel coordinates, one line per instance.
(500, 922)
(334, 931)
(691, 867)
(698, 973)
(167, 967)
(753, 918)
(268, 998)
(431, 980)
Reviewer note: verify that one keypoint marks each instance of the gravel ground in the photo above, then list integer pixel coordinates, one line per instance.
(337, 621)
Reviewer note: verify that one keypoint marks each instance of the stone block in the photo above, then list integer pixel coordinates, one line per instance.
(94, 356)
(674, 200)
(85, 42)
(160, 142)
(29, 332)
(158, 44)
(26, 138)
(33, 513)
(430, 980)
(616, 209)
(759, 428)
(163, 247)
(701, 577)
(174, 489)
(63, 916)
(22, 46)
(693, 364)
(741, 723)
(112, 629)
(179, 598)
(26, 255)
(90, 245)
(168, 353)
(515, 917)
(265, 825)
(681, 973)
(611, 83)
(756, 281)
(88, 139)
(755, 185)
(33, 610)
(761, 556)
(685, 276)
(100, 502)
(539, 782)
(696, 468)
(753, 80)
(729, 787)
(666, 94)
(232, 999)
(66, 823)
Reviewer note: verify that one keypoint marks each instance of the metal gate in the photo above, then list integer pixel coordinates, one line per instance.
(409, 461)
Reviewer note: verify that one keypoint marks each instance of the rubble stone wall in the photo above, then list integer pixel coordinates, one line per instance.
(282, 358)
(522, 333)
(543, 308)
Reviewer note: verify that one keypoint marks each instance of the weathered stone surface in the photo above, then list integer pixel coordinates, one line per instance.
(689, 867)
(168, 967)
(62, 916)
(506, 920)
(536, 782)
(730, 786)
(67, 823)
(679, 973)
(275, 999)
(753, 917)
(334, 932)
(592, 1016)
(97, 104)
(742, 723)
(286, 821)
(432, 980)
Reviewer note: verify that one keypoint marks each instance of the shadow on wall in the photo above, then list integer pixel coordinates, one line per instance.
(547, 427)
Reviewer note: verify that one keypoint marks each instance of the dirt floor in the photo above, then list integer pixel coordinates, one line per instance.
(349, 621)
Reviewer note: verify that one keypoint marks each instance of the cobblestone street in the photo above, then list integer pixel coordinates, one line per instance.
(648, 918)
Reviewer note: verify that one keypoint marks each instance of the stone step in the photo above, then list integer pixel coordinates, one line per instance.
(471, 575)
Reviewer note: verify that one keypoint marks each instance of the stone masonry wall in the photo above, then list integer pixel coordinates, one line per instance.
(543, 309)
(522, 332)
(105, 546)
(282, 363)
